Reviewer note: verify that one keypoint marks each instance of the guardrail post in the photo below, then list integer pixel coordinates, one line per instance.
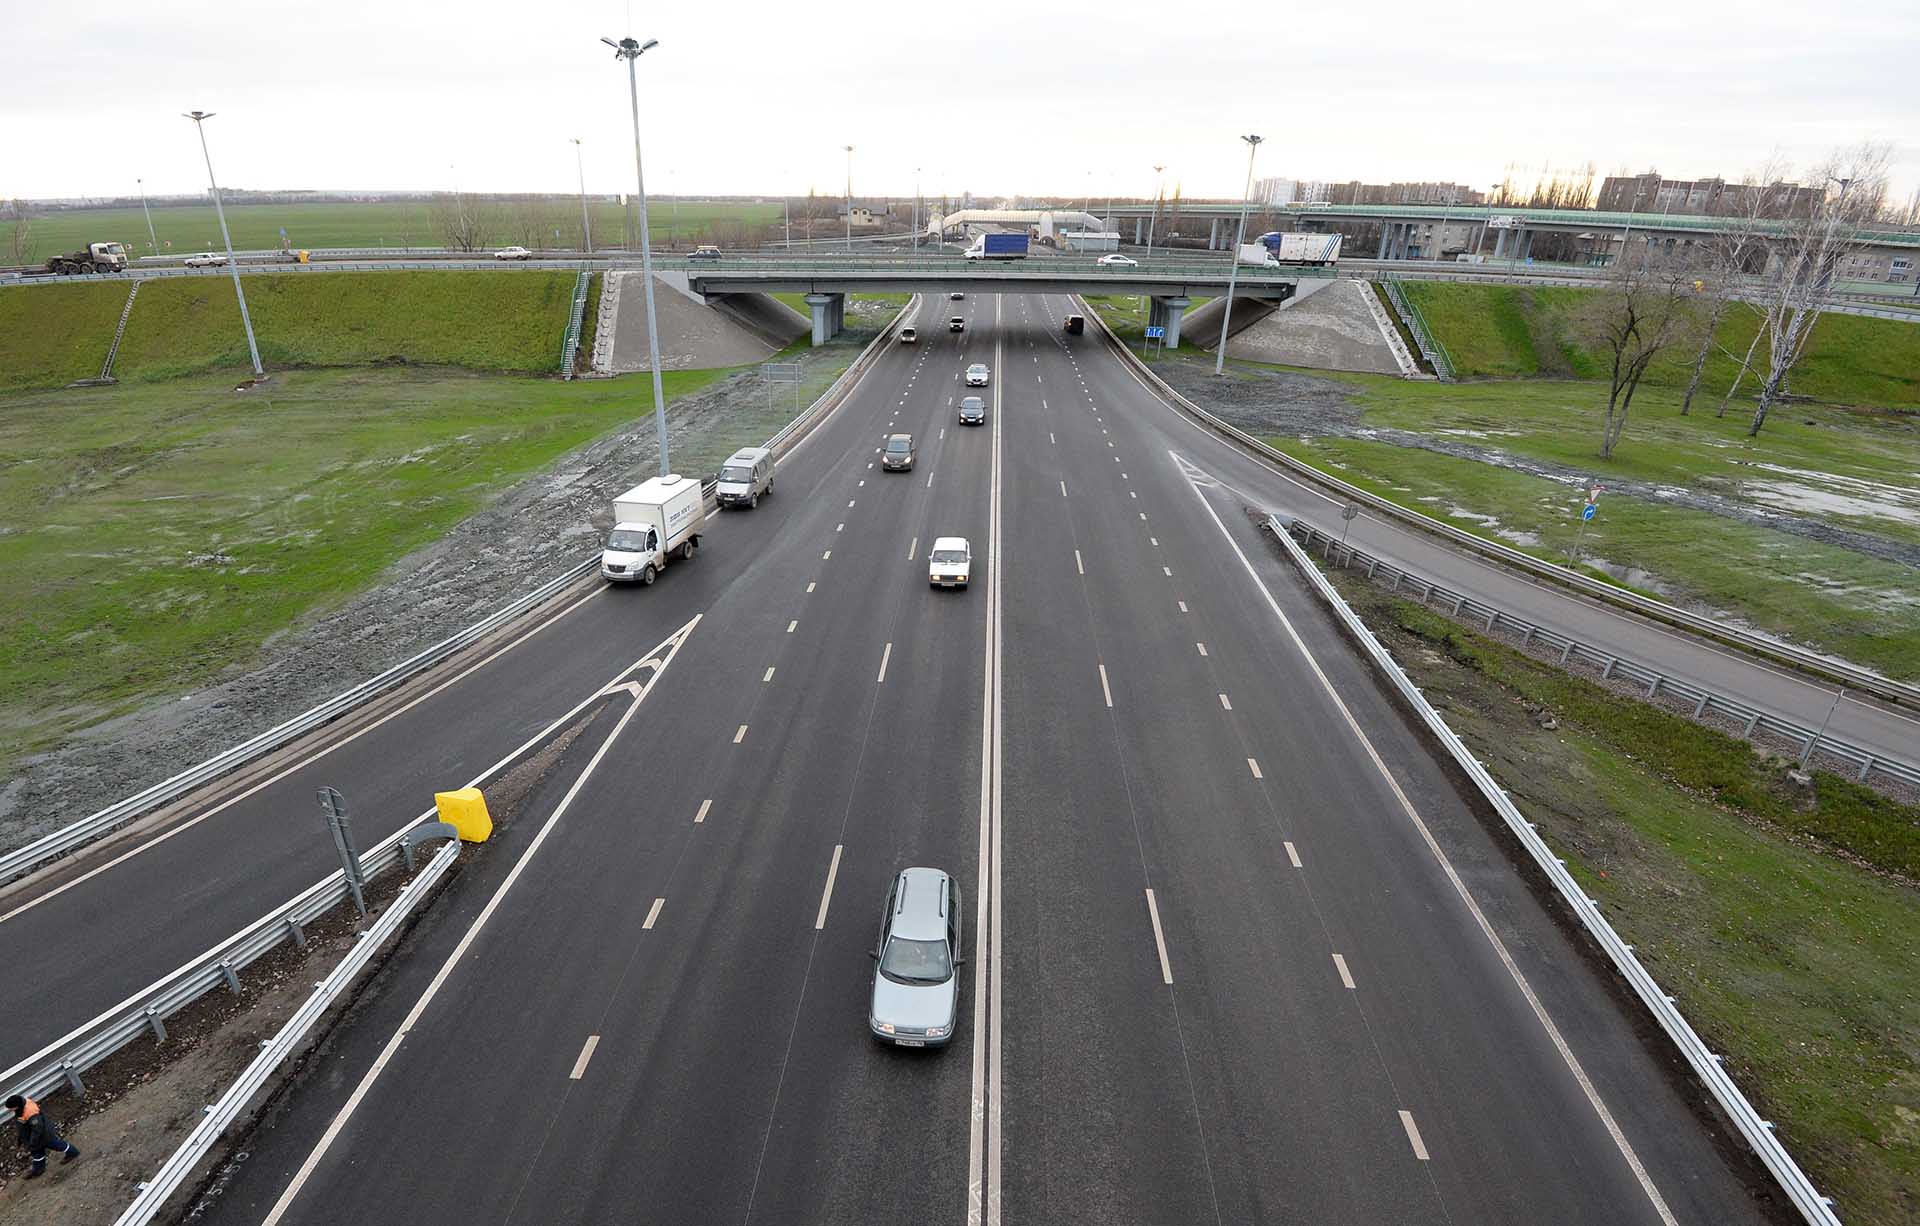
(1865, 767)
(1457, 602)
(1395, 585)
(1607, 672)
(75, 1086)
(159, 1027)
(1700, 707)
(1493, 616)
(1655, 687)
(1566, 651)
(1752, 722)
(1806, 754)
(226, 973)
(296, 932)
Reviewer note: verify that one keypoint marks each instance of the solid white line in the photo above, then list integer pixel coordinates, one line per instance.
(466, 942)
(1224, 704)
(586, 1054)
(308, 760)
(653, 913)
(1254, 766)
(740, 735)
(1540, 1013)
(1413, 1135)
(1340, 964)
(702, 815)
(884, 657)
(1077, 563)
(1159, 939)
(1292, 855)
(1104, 691)
(912, 548)
(792, 624)
(769, 675)
(826, 895)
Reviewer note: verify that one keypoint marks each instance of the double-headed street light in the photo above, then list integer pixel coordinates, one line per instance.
(1233, 272)
(246, 321)
(629, 49)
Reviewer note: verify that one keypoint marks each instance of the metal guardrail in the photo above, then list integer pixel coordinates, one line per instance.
(1851, 676)
(215, 1119)
(1752, 720)
(1430, 346)
(1706, 1065)
(571, 346)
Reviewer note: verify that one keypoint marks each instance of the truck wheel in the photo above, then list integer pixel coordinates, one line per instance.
(686, 551)
(648, 575)
(753, 503)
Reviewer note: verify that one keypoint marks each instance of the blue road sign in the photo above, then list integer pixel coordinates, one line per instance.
(1156, 334)
(1587, 513)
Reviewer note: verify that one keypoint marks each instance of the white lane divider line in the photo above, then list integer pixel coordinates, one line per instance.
(1063, 489)
(1293, 856)
(809, 589)
(653, 913)
(929, 480)
(1225, 705)
(1253, 765)
(769, 675)
(1183, 609)
(826, 895)
(1131, 494)
(1167, 571)
(741, 735)
(705, 806)
(1346, 976)
(1159, 940)
(1105, 691)
(840, 527)
(1051, 439)
(943, 432)
(1413, 1135)
(850, 504)
(1201, 646)
(1078, 564)
(913, 546)
(586, 1054)
(1043, 402)
(862, 485)
(827, 555)
(792, 624)
(884, 657)
(1154, 540)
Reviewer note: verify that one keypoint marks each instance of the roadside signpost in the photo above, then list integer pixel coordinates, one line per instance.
(1349, 513)
(782, 372)
(334, 806)
(1156, 333)
(1587, 513)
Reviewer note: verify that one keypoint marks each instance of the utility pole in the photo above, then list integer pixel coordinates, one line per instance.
(849, 149)
(246, 321)
(586, 227)
(1233, 269)
(631, 50)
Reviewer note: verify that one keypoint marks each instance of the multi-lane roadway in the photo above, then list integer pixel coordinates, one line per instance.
(1238, 951)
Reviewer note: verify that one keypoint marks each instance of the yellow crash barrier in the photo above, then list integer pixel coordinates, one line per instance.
(466, 811)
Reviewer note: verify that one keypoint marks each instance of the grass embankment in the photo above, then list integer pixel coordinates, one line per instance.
(51, 335)
(158, 533)
(482, 321)
(1782, 918)
(1516, 332)
(857, 304)
(1126, 314)
(184, 229)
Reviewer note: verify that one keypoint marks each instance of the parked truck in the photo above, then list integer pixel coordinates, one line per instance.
(94, 257)
(654, 522)
(999, 247)
(1296, 247)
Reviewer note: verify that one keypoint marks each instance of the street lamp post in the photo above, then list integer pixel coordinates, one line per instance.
(631, 50)
(153, 240)
(1628, 232)
(849, 149)
(246, 321)
(1233, 271)
(586, 226)
(1153, 222)
(916, 210)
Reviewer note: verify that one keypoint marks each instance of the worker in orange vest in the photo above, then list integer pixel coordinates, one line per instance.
(38, 1135)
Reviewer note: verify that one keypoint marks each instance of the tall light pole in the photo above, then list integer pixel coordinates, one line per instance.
(153, 241)
(246, 321)
(916, 210)
(586, 227)
(1159, 187)
(849, 149)
(630, 50)
(1233, 272)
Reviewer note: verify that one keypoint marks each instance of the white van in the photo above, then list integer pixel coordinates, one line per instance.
(747, 474)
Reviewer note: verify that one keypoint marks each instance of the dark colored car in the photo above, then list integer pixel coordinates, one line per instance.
(973, 411)
(897, 455)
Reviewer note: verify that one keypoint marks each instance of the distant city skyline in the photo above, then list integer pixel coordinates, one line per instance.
(367, 96)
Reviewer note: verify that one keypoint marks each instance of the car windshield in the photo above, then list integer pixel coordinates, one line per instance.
(736, 473)
(948, 557)
(916, 961)
(898, 447)
(629, 541)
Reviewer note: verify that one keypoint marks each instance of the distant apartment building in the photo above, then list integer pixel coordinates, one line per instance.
(1279, 192)
(1715, 197)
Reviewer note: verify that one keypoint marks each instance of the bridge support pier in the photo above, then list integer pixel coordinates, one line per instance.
(1139, 230)
(1213, 236)
(829, 316)
(1167, 313)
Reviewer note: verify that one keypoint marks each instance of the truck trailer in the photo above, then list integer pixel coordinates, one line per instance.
(999, 247)
(94, 257)
(1296, 247)
(653, 523)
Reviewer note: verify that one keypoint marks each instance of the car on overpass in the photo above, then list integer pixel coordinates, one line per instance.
(950, 562)
(513, 253)
(1116, 260)
(206, 259)
(915, 996)
(705, 251)
(978, 375)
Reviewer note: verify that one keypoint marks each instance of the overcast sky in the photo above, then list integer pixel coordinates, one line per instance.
(757, 97)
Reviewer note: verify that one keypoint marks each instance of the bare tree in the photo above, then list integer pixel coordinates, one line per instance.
(463, 222)
(20, 237)
(1808, 257)
(1643, 308)
(1731, 254)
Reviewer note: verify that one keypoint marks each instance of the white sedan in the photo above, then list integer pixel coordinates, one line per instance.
(977, 375)
(1116, 260)
(949, 562)
(513, 253)
(206, 259)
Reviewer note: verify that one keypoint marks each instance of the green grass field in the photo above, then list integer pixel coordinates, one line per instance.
(51, 335)
(1782, 920)
(159, 532)
(1516, 332)
(183, 229)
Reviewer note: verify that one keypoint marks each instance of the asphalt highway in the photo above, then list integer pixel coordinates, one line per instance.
(1237, 950)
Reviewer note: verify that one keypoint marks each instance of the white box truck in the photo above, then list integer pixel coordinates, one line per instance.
(653, 522)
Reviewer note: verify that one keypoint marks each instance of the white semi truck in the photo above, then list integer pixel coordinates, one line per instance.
(654, 522)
